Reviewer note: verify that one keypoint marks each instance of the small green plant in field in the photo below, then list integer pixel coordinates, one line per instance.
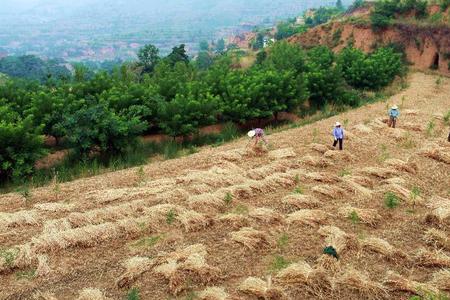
(9, 256)
(241, 209)
(430, 128)
(447, 118)
(298, 190)
(344, 172)
(346, 122)
(279, 263)
(147, 242)
(140, 176)
(27, 274)
(430, 296)
(142, 226)
(228, 198)
(415, 193)
(297, 179)
(133, 294)
(439, 81)
(283, 240)
(354, 218)
(170, 217)
(391, 200)
(384, 153)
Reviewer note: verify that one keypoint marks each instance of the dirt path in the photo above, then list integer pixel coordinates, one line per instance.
(226, 222)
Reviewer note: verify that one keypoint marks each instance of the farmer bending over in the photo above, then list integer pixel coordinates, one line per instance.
(338, 133)
(258, 134)
(393, 116)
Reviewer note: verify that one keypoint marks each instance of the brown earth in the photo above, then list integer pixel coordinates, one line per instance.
(425, 46)
(228, 218)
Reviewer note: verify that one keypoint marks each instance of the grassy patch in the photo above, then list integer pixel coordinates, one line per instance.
(283, 240)
(391, 200)
(228, 198)
(133, 294)
(147, 242)
(241, 209)
(9, 256)
(26, 274)
(345, 172)
(298, 190)
(279, 263)
(171, 217)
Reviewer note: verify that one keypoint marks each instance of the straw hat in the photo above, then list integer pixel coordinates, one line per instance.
(251, 133)
(395, 107)
(337, 124)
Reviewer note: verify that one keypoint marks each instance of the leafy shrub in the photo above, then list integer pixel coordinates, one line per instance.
(96, 128)
(372, 71)
(21, 147)
(391, 200)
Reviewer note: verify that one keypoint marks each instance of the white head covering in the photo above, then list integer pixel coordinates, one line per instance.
(337, 124)
(251, 133)
(395, 107)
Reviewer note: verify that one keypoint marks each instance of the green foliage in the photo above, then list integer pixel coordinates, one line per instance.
(33, 68)
(147, 242)
(204, 45)
(177, 55)
(95, 127)
(171, 217)
(323, 15)
(228, 198)
(430, 128)
(21, 147)
(298, 190)
(391, 200)
(288, 29)
(26, 274)
(372, 71)
(386, 10)
(283, 240)
(279, 263)
(9, 256)
(447, 118)
(357, 4)
(148, 57)
(354, 218)
(444, 4)
(345, 172)
(220, 46)
(241, 209)
(133, 294)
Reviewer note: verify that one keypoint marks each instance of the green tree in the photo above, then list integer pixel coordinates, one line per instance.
(286, 56)
(95, 127)
(204, 60)
(188, 111)
(22, 145)
(220, 46)
(148, 57)
(177, 55)
(204, 46)
(339, 5)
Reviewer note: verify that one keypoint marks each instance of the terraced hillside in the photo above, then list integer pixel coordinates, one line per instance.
(232, 223)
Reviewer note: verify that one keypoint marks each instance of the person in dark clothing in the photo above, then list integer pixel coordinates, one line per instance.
(338, 134)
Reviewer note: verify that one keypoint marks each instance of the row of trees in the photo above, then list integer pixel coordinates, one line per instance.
(172, 95)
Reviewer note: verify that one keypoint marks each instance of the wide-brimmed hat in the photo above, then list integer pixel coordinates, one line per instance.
(394, 107)
(251, 133)
(337, 124)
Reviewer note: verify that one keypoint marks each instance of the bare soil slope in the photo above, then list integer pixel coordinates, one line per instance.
(231, 223)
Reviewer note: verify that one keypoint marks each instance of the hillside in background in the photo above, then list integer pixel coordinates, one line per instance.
(425, 39)
(107, 29)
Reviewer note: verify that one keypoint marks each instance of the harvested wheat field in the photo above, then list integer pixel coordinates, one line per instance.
(231, 223)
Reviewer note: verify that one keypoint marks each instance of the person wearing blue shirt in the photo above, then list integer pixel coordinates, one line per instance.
(338, 134)
(394, 113)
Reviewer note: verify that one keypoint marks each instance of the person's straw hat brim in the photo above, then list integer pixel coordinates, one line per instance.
(395, 107)
(251, 133)
(337, 124)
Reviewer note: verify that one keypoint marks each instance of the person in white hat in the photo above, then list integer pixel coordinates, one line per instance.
(258, 134)
(394, 113)
(338, 134)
